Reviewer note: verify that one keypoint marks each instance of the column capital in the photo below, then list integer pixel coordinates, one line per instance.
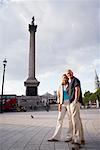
(32, 26)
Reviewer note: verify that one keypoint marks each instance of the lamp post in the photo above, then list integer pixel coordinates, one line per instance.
(4, 65)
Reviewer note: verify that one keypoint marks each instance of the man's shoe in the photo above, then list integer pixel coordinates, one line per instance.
(72, 142)
(68, 140)
(83, 142)
(52, 140)
(75, 143)
(75, 147)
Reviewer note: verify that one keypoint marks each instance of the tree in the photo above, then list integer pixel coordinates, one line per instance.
(93, 97)
(86, 97)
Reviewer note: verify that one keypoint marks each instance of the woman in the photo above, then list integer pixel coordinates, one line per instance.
(63, 106)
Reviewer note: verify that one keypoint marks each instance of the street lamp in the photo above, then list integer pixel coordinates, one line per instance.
(4, 65)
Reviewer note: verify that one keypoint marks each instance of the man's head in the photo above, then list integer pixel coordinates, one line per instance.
(64, 79)
(69, 73)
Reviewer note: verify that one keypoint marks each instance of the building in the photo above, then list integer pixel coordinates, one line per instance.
(97, 82)
(51, 99)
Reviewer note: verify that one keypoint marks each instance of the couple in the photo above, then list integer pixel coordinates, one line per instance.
(69, 98)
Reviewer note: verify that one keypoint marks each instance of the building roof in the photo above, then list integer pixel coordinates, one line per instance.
(48, 95)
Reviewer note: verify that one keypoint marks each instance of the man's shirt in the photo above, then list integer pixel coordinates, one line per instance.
(74, 83)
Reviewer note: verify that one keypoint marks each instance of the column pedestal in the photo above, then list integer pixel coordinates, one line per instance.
(31, 87)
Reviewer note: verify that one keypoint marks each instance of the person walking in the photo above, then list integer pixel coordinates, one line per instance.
(75, 99)
(63, 106)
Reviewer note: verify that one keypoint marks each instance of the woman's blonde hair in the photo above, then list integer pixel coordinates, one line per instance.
(64, 75)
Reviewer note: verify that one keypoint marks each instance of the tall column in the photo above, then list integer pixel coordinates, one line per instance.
(32, 83)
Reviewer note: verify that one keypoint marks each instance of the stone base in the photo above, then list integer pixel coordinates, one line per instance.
(30, 103)
(31, 91)
(31, 86)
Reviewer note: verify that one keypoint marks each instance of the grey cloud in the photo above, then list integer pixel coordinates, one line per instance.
(67, 35)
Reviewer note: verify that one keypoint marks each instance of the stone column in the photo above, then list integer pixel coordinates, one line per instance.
(32, 83)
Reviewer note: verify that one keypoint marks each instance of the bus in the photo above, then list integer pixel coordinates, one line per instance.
(9, 103)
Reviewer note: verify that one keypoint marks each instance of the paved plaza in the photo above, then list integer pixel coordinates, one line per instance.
(18, 131)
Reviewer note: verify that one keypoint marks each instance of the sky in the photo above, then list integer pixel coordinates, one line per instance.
(68, 36)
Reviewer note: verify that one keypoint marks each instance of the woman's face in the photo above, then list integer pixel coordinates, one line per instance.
(64, 80)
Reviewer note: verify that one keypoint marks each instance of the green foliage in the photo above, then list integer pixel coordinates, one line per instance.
(93, 97)
(88, 96)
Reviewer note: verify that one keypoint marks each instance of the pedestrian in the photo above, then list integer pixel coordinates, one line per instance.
(47, 106)
(75, 99)
(63, 107)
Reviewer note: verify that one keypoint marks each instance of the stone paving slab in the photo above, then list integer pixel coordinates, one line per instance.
(18, 131)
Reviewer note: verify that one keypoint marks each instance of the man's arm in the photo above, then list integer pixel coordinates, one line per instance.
(77, 93)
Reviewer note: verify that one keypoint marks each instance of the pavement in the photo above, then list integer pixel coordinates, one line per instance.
(19, 131)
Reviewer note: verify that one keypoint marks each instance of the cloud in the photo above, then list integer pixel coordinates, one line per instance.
(67, 37)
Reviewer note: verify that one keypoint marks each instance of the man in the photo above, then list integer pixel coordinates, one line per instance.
(75, 95)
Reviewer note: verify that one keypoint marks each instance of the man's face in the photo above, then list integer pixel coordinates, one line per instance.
(69, 74)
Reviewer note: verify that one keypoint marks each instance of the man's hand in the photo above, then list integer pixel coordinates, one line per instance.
(59, 107)
(75, 101)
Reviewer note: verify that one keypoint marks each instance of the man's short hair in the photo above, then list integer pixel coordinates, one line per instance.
(69, 71)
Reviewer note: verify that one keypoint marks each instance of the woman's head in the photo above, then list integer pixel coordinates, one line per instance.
(64, 79)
